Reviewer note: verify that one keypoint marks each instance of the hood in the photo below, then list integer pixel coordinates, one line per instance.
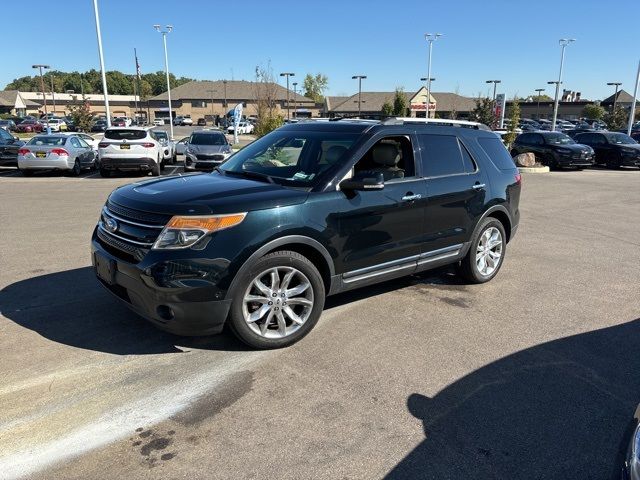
(207, 149)
(205, 193)
(632, 146)
(574, 147)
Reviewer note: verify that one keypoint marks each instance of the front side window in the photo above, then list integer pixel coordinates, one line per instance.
(558, 139)
(295, 158)
(74, 142)
(392, 156)
(442, 155)
(620, 139)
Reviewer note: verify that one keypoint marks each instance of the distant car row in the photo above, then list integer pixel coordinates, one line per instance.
(558, 150)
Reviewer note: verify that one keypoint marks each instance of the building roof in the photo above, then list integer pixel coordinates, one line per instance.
(447, 102)
(15, 99)
(235, 90)
(371, 102)
(332, 102)
(623, 97)
(70, 97)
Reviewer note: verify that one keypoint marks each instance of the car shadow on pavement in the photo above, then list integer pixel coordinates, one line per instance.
(72, 308)
(562, 409)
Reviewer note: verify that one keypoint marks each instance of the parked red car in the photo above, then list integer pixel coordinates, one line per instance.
(29, 126)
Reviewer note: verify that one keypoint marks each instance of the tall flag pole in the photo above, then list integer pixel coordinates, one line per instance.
(137, 83)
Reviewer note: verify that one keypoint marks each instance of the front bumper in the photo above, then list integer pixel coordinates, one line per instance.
(191, 162)
(135, 164)
(171, 301)
(630, 161)
(575, 160)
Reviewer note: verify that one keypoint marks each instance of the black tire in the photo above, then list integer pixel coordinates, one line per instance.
(613, 161)
(162, 165)
(155, 170)
(283, 259)
(76, 170)
(27, 173)
(105, 173)
(468, 268)
(174, 159)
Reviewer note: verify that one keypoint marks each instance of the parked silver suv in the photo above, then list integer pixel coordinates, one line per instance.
(130, 149)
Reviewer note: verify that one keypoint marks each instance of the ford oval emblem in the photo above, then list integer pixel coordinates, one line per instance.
(111, 225)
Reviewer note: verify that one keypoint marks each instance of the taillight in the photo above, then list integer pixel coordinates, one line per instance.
(60, 152)
(518, 178)
(103, 145)
(23, 151)
(148, 145)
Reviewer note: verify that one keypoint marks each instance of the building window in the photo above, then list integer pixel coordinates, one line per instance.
(198, 103)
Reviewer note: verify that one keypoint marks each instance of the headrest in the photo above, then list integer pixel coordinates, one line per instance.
(385, 154)
(334, 153)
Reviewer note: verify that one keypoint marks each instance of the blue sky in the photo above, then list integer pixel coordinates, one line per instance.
(512, 40)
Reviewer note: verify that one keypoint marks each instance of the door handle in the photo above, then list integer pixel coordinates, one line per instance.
(478, 186)
(410, 197)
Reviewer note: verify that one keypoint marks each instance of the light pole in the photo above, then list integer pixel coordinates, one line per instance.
(40, 67)
(563, 44)
(53, 95)
(287, 74)
(212, 116)
(615, 95)
(169, 28)
(105, 92)
(430, 37)
(539, 92)
(428, 102)
(495, 110)
(359, 78)
(632, 112)
(224, 82)
(295, 99)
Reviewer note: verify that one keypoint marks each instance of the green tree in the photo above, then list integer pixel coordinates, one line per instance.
(81, 115)
(617, 119)
(399, 103)
(483, 111)
(537, 98)
(387, 109)
(593, 112)
(266, 95)
(514, 120)
(315, 85)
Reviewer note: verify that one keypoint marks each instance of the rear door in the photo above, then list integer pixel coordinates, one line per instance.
(456, 193)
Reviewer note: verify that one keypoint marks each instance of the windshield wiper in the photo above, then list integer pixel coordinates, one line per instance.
(250, 174)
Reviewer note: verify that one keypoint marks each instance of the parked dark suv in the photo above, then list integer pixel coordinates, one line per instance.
(612, 148)
(553, 149)
(309, 210)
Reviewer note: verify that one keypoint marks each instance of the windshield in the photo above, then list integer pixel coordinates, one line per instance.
(620, 139)
(162, 135)
(207, 139)
(294, 158)
(558, 139)
(47, 141)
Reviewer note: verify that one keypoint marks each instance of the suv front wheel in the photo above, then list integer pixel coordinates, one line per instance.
(486, 253)
(278, 301)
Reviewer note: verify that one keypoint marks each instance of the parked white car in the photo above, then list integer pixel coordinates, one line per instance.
(55, 124)
(130, 149)
(244, 128)
(158, 121)
(168, 145)
(180, 120)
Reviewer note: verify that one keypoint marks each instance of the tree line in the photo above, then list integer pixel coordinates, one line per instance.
(118, 83)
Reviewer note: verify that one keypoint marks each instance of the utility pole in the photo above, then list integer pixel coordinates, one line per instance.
(539, 92)
(632, 113)
(166, 68)
(295, 100)
(212, 115)
(563, 44)
(615, 95)
(53, 95)
(359, 78)
(287, 74)
(44, 97)
(430, 37)
(428, 98)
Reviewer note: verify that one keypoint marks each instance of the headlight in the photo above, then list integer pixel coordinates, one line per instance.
(183, 232)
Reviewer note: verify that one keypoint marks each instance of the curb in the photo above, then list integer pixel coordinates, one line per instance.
(533, 169)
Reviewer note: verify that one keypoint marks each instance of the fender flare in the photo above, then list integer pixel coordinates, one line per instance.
(279, 242)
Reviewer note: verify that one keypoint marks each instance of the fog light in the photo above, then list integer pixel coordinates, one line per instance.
(165, 312)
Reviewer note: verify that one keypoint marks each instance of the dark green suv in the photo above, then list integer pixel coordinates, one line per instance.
(309, 210)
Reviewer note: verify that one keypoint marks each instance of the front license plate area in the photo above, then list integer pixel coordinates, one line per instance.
(105, 269)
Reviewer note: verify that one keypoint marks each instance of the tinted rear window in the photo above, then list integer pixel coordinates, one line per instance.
(497, 153)
(443, 155)
(125, 134)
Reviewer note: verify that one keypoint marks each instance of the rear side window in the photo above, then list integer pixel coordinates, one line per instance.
(444, 155)
(497, 153)
(125, 134)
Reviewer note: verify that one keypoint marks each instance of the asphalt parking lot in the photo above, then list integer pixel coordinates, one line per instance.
(533, 375)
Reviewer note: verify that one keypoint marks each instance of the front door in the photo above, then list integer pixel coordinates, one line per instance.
(380, 231)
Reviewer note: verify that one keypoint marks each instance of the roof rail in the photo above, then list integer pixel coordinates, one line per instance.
(434, 121)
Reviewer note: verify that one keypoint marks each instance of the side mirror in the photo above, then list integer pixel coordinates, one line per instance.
(363, 181)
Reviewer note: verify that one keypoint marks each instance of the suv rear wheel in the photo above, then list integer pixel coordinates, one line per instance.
(486, 253)
(277, 301)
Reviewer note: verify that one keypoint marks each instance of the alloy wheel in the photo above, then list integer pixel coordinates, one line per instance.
(489, 251)
(277, 302)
